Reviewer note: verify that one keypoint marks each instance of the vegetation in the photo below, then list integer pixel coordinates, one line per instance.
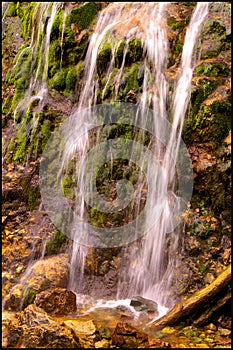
(53, 245)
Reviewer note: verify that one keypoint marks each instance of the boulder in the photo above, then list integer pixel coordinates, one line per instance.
(142, 304)
(57, 301)
(44, 274)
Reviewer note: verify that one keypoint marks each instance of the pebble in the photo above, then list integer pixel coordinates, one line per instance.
(212, 327)
(224, 331)
(168, 330)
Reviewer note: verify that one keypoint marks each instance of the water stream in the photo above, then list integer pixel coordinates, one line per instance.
(147, 268)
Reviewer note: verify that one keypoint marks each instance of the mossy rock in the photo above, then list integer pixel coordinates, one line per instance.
(132, 79)
(134, 52)
(25, 13)
(54, 244)
(103, 58)
(211, 124)
(83, 15)
(58, 81)
(57, 25)
(120, 53)
(200, 94)
(212, 70)
(12, 9)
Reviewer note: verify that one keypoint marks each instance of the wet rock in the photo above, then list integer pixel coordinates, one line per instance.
(168, 330)
(208, 278)
(103, 343)
(85, 331)
(212, 327)
(44, 273)
(125, 312)
(126, 336)
(57, 301)
(143, 304)
(48, 336)
(33, 316)
(9, 322)
(36, 329)
(224, 331)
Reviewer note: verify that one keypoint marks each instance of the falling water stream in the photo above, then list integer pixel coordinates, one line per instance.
(150, 267)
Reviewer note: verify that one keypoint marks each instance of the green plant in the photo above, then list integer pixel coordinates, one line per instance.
(28, 296)
(83, 15)
(53, 245)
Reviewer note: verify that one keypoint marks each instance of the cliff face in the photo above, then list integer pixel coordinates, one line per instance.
(28, 126)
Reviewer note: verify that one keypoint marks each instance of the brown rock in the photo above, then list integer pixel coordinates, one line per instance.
(57, 301)
(45, 273)
(126, 336)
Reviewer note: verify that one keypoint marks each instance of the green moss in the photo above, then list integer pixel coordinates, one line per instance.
(199, 95)
(214, 26)
(178, 47)
(32, 196)
(189, 3)
(28, 296)
(20, 143)
(213, 70)
(58, 81)
(71, 79)
(25, 12)
(211, 124)
(53, 245)
(132, 81)
(177, 25)
(57, 25)
(134, 52)
(120, 54)
(12, 9)
(83, 15)
(103, 59)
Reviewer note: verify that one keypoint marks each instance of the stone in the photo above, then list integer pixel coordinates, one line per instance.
(143, 304)
(35, 329)
(9, 321)
(85, 331)
(224, 331)
(33, 316)
(103, 343)
(57, 301)
(168, 330)
(126, 336)
(48, 336)
(44, 274)
(212, 327)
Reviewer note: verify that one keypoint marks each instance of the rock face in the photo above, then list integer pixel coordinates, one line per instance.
(57, 301)
(44, 274)
(206, 134)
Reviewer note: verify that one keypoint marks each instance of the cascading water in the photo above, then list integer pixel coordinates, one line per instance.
(151, 269)
(150, 264)
(42, 20)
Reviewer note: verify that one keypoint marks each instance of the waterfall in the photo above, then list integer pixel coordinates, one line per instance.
(42, 20)
(152, 277)
(149, 232)
(151, 268)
